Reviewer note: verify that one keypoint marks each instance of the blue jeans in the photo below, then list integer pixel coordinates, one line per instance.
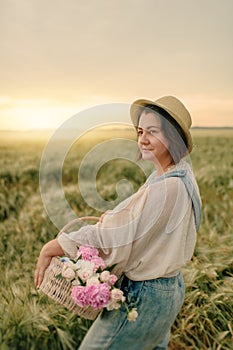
(158, 302)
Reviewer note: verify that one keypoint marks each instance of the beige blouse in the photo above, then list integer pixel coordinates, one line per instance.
(149, 235)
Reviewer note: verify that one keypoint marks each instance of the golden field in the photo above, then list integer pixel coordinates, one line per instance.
(28, 320)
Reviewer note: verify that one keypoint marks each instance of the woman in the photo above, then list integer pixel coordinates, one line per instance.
(150, 235)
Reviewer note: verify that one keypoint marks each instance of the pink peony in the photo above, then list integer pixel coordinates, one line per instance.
(98, 296)
(92, 284)
(79, 294)
(105, 276)
(112, 279)
(98, 263)
(87, 252)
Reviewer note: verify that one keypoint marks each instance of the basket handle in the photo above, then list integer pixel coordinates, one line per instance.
(84, 218)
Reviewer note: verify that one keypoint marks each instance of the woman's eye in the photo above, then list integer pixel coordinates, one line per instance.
(140, 132)
(152, 132)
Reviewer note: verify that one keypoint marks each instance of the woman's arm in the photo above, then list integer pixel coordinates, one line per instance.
(49, 250)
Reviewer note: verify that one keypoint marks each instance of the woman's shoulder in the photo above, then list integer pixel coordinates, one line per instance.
(171, 182)
(167, 189)
(173, 176)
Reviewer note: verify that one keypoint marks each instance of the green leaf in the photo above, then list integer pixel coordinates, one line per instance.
(81, 281)
(110, 268)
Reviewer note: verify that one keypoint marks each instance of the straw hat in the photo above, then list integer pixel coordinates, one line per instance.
(173, 106)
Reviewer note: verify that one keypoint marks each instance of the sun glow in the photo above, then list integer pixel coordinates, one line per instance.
(34, 114)
(41, 114)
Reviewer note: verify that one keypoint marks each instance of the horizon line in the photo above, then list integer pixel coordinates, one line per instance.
(81, 129)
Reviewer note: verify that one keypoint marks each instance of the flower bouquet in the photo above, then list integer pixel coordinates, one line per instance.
(93, 284)
(83, 285)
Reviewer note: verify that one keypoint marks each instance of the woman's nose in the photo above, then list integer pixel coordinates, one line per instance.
(144, 138)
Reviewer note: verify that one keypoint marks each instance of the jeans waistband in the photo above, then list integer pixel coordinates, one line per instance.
(126, 280)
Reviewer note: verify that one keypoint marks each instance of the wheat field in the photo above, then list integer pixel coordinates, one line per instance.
(28, 320)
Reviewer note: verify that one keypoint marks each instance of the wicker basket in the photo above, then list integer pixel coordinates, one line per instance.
(60, 289)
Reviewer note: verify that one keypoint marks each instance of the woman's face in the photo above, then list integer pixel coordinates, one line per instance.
(152, 142)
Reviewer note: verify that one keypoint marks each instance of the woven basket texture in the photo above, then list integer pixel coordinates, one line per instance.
(59, 289)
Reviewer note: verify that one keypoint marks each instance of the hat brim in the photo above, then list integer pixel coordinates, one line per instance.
(135, 111)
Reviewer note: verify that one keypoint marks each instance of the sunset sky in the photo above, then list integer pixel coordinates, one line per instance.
(62, 56)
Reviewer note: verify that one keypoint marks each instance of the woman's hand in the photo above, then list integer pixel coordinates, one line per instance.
(49, 250)
(42, 264)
